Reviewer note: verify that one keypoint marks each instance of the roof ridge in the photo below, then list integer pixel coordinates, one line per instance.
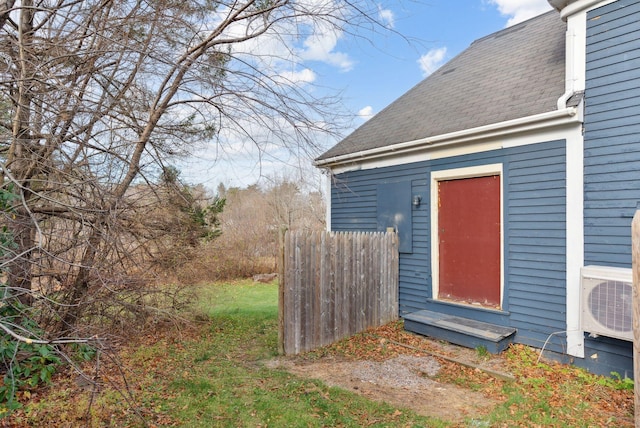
(512, 29)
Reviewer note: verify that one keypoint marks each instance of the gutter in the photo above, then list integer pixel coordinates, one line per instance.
(571, 7)
(563, 116)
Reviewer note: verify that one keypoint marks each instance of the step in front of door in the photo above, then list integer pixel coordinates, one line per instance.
(461, 331)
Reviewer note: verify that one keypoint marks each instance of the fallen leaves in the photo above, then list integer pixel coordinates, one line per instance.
(568, 395)
(571, 395)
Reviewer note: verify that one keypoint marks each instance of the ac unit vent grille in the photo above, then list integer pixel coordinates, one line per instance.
(607, 302)
(611, 305)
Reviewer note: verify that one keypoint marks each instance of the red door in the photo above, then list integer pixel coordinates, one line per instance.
(469, 240)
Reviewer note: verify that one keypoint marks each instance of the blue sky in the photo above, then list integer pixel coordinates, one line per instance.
(370, 73)
(440, 29)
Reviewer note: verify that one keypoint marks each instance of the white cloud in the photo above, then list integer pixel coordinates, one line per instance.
(236, 160)
(280, 46)
(296, 78)
(433, 59)
(320, 47)
(366, 113)
(254, 146)
(386, 17)
(520, 10)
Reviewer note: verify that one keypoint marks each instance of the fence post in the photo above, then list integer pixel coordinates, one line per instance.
(635, 253)
(281, 276)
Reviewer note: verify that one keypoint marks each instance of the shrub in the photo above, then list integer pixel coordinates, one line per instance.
(25, 364)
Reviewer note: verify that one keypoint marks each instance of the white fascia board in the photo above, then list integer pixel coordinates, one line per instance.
(527, 130)
(576, 7)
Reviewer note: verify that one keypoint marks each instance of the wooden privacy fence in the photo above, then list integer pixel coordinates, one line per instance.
(333, 285)
(635, 264)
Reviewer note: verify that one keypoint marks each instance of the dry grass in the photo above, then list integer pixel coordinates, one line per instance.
(208, 373)
(221, 261)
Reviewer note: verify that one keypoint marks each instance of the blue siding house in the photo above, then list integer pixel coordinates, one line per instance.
(511, 176)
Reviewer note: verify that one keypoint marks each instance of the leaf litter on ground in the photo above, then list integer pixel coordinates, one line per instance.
(159, 364)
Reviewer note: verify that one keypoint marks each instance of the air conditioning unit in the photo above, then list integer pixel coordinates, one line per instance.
(607, 301)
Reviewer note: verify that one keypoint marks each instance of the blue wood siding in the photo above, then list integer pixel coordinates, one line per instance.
(534, 200)
(612, 132)
(353, 208)
(535, 246)
(612, 155)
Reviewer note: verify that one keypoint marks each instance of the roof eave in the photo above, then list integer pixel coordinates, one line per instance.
(560, 4)
(571, 7)
(543, 120)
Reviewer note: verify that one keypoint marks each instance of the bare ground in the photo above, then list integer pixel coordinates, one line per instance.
(407, 370)
(403, 381)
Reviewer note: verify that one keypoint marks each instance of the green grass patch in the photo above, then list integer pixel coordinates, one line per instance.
(223, 383)
(244, 299)
(212, 374)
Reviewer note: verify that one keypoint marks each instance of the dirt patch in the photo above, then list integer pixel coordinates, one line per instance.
(403, 381)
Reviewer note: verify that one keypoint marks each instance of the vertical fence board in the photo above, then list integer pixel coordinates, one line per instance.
(294, 298)
(308, 294)
(357, 303)
(335, 285)
(381, 271)
(338, 275)
(349, 284)
(300, 295)
(392, 275)
(386, 268)
(635, 262)
(324, 290)
(281, 286)
(316, 246)
(308, 312)
(374, 293)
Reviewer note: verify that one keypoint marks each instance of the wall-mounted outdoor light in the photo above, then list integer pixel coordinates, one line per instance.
(416, 200)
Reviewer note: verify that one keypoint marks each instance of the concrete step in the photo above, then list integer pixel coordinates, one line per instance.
(461, 331)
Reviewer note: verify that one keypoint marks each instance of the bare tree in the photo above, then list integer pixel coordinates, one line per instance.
(295, 203)
(101, 94)
(250, 224)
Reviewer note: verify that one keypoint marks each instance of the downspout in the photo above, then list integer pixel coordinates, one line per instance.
(574, 238)
(575, 65)
(569, 85)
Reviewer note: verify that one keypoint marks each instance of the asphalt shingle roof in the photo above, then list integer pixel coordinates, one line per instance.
(513, 73)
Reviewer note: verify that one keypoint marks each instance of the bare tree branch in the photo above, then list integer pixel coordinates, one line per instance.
(5, 10)
(98, 97)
